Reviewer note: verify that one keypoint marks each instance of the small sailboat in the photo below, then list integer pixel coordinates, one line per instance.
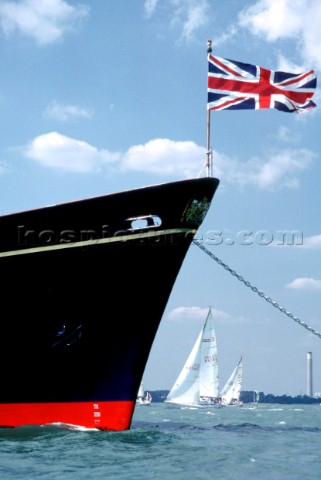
(232, 389)
(143, 398)
(198, 383)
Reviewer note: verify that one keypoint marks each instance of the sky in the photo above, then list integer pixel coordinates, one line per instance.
(104, 96)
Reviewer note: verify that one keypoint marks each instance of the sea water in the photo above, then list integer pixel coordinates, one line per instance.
(271, 442)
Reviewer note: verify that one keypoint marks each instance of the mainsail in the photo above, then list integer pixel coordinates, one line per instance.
(209, 379)
(232, 389)
(141, 392)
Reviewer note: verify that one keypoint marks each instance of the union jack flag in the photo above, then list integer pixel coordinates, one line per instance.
(236, 86)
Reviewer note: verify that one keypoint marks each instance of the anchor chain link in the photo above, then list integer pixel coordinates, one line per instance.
(256, 290)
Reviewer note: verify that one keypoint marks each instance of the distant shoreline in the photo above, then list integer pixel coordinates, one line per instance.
(159, 396)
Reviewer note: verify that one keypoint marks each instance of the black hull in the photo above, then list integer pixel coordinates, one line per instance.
(83, 290)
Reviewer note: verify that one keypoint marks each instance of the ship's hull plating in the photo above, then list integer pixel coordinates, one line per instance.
(83, 289)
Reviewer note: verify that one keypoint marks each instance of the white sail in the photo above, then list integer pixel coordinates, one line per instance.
(198, 381)
(209, 378)
(142, 397)
(232, 389)
(140, 393)
(185, 390)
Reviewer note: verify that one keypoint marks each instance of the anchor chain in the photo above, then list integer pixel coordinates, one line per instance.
(256, 290)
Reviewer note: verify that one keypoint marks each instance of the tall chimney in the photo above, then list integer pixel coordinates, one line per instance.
(309, 375)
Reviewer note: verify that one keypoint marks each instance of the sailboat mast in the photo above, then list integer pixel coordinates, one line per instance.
(209, 172)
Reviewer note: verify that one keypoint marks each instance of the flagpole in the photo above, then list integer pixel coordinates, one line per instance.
(208, 127)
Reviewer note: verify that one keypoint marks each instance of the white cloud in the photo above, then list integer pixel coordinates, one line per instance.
(285, 134)
(162, 156)
(194, 313)
(45, 21)
(286, 65)
(65, 112)
(59, 152)
(281, 169)
(227, 35)
(185, 15)
(305, 283)
(196, 16)
(312, 243)
(288, 19)
(150, 6)
(274, 18)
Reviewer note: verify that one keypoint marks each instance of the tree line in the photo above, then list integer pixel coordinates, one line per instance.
(251, 396)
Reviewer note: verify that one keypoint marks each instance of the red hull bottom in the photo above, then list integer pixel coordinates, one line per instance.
(100, 415)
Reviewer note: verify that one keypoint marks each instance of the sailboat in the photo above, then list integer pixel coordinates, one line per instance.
(142, 397)
(198, 383)
(256, 397)
(232, 389)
